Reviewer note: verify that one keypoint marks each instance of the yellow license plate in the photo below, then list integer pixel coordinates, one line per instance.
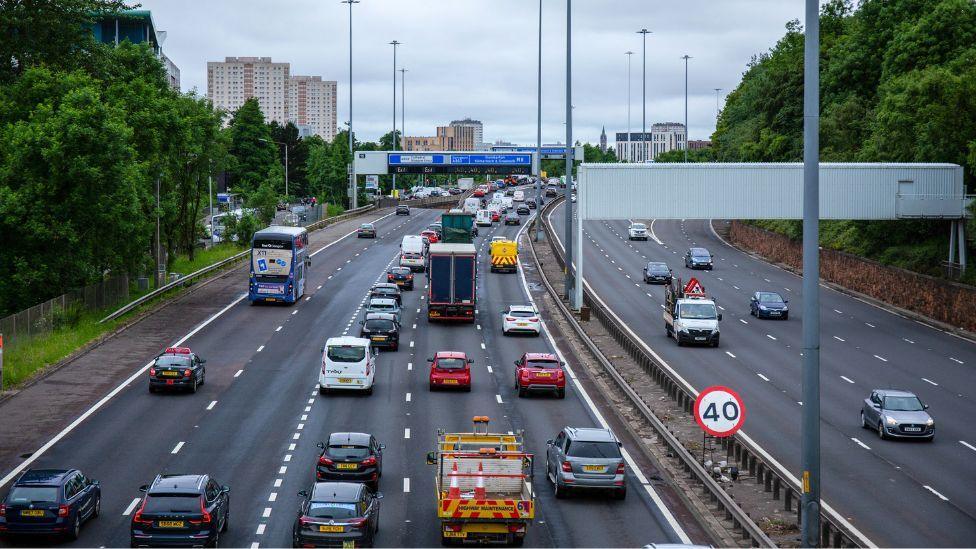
(32, 512)
(170, 524)
(544, 374)
(450, 382)
(345, 380)
(379, 338)
(346, 466)
(169, 373)
(594, 468)
(328, 528)
(348, 544)
(455, 534)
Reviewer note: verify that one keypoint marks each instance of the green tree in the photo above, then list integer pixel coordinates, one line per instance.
(297, 156)
(264, 201)
(251, 147)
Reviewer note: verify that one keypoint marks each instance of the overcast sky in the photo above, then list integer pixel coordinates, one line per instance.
(478, 58)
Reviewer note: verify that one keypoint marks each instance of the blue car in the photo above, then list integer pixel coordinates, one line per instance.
(50, 501)
(768, 305)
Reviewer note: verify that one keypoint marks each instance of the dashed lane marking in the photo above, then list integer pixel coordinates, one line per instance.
(499, 398)
(278, 329)
(954, 359)
(176, 449)
(968, 445)
(839, 338)
(742, 320)
(406, 485)
(239, 372)
(861, 444)
(940, 496)
(406, 432)
(261, 348)
(408, 397)
(273, 496)
(847, 379)
(266, 513)
(489, 369)
(762, 377)
(881, 358)
(211, 405)
(730, 354)
(135, 501)
(260, 530)
(925, 379)
(771, 337)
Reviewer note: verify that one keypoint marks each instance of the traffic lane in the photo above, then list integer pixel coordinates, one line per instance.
(771, 438)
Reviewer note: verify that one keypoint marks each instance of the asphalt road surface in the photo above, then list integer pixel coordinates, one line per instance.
(897, 493)
(254, 425)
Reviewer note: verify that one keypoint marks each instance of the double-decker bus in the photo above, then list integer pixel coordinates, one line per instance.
(279, 259)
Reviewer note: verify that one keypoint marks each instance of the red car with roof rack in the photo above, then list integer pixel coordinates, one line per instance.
(450, 369)
(177, 368)
(540, 372)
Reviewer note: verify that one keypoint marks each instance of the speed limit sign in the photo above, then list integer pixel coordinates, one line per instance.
(719, 411)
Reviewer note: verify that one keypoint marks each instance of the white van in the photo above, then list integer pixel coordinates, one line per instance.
(347, 363)
(483, 218)
(472, 205)
(412, 251)
(507, 203)
(518, 196)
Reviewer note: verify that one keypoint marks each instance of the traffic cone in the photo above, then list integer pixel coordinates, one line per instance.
(454, 492)
(479, 489)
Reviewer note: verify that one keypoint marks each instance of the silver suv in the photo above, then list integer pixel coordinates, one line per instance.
(897, 414)
(585, 458)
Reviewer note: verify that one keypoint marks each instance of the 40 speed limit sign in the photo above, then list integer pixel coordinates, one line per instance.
(719, 411)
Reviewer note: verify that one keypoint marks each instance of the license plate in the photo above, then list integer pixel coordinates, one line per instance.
(455, 534)
(450, 382)
(169, 373)
(521, 323)
(543, 374)
(348, 544)
(346, 466)
(774, 313)
(32, 513)
(594, 468)
(170, 524)
(330, 528)
(913, 429)
(379, 338)
(699, 339)
(345, 380)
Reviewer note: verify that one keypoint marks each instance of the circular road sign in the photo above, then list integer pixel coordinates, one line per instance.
(719, 411)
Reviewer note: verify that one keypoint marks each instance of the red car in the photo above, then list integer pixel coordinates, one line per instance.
(478, 193)
(450, 369)
(431, 236)
(540, 372)
(495, 216)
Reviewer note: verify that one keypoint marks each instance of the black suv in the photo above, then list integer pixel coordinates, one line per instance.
(181, 510)
(177, 368)
(351, 457)
(523, 209)
(50, 501)
(382, 329)
(401, 276)
(530, 202)
(403, 209)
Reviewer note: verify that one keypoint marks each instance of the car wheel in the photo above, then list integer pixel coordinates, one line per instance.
(559, 491)
(226, 521)
(152, 389)
(522, 392)
(193, 388)
(432, 387)
(620, 494)
(467, 389)
(786, 316)
(881, 431)
(323, 390)
(370, 390)
(75, 528)
(517, 541)
(560, 393)
(216, 540)
(716, 343)
(98, 507)
(864, 423)
(667, 329)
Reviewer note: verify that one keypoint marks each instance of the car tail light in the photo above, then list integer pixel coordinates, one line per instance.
(516, 528)
(62, 511)
(509, 319)
(567, 468)
(452, 527)
(389, 277)
(410, 277)
(368, 462)
(534, 319)
(137, 518)
(620, 468)
(186, 373)
(3, 510)
(326, 461)
(358, 523)
(304, 521)
(152, 372)
(205, 515)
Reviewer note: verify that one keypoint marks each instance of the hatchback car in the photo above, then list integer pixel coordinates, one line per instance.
(521, 319)
(523, 210)
(181, 511)
(551, 192)
(382, 330)
(50, 502)
(383, 305)
(430, 236)
(540, 372)
(386, 289)
(450, 369)
(768, 305)
(530, 202)
(177, 368)
(366, 230)
(637, 231)
(337, 514)
(656, 272)
(495, 215)
(403, 209)
(351, 457)
(512, 218)
(698, 258)
(401, 276)
(585, 458)
(897, 414)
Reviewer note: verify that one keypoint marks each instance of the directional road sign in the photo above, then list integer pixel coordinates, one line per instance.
(719, 411)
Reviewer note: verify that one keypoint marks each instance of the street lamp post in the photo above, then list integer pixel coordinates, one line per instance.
(686, 57)
(353, 198)
(570, 279)
(644, 154)
(403, 106)
(717, 91)
(630, 55)
(394, 43)
(538, 135)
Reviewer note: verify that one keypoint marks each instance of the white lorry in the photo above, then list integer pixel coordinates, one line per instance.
(689, 316)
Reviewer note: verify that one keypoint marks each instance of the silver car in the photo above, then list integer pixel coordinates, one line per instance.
(383, 305)
(585, 458)
(897, 414)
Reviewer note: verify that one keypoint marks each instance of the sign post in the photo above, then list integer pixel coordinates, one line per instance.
(1, 363)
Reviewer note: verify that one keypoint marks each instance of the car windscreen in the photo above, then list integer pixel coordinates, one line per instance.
(700, 311)
(657, 268)
(400, 271)
(346, 353)
(700, 254)
(601, 450)
(348, 451)
(903, 404)
(172, 503)
(25, 495)
(765, 297)
(171, 360)
(381, 307)
(379, 325)
(450, 363)
(521, 314)
(332, 510)
(546, 364)
(638, 226)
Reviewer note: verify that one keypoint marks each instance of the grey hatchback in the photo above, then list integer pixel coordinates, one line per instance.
(585, 458)
(897, 414)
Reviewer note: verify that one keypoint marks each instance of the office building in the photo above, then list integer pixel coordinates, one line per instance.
(459, 135)
(695, 144)
(663, 137)
(136, 26)
(312, 105)
(466, 126)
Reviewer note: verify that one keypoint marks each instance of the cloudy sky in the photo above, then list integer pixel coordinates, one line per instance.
(478, 58)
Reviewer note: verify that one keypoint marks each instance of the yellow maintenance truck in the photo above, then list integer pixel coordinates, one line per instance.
(504, 256)
(484, 486)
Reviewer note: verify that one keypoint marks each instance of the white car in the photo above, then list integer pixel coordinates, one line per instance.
(637, 231)
(347, 363)
(522, 319)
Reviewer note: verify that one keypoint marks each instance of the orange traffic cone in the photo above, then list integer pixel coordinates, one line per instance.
(454, 492)
(479, 489)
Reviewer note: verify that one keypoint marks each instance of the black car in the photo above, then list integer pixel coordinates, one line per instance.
(474, 230)
(512, 218)
(401, 276)
(50, 502)
(768, 305)
(366, 230)
(523, 210)
(177, 368)
(530, 202)
(509, 192)
(382, 329)
(698, 258)
(403, 209)
(386, 289)
(181, 511)
(657, 272)
(551, 192)
(337, 514)
(351, 457)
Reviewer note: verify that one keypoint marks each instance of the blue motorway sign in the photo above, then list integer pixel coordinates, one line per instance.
(545, 150)
(473, 159)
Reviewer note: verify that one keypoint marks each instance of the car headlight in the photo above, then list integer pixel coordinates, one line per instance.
(890, 421)
(762, 308)
(930, 422)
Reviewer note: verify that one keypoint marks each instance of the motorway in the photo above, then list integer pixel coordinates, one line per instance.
(254, 425)
(897, 493)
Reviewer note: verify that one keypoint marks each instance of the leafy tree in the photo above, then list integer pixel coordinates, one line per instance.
(251, 146)
(264, 201)
(386, 141)
(297, 156)
(694, 155)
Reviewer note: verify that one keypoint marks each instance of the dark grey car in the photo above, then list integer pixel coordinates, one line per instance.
(585, 458)
(897, 414)
(698, 258)
(337, 514)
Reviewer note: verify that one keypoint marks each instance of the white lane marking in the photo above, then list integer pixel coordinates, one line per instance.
(414, 326)
(482, 344)
(296, 436)
(131, 507)
(764, 378)
(954, 359)
(498, 398)
(211, 405)
(968, 445)
(406, 485)
(721, 308)
(282, 470)
(309, 408)
(408, 397)
(861, 444)
(839, 339)
(301, 426)
(291, 447)
(740, 320)
(767, 280)
(406, 432)
(847, 379)
(255, 545)
(239, 372)
(295, 312)
(929, 381)
(260, 530)
(266, 513)
(881, 358)
(410, 366)
(278, 329)
(736, 287)
(261, 348)
(838, 312)
(730, 354)
(940, 496)
(771, 337)
(906, 339)
(478, 326)
(277, 483)
(489, 369)
(411, 344)
(308, 298)
(273, 496)
(787, 289)
(869, 325)
(287, 458)
(320, 286)
(176, 449)
(304, 417)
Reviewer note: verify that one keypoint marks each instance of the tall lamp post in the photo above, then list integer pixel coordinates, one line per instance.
(403, 106)
(644, 154)
(686, 57)
(353, 195)
(286, 160)
(570, 277)
(717, 92)
(538, 135)
(630, 55)
(394, 43)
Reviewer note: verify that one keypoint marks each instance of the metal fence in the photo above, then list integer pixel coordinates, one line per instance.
(43, 318)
